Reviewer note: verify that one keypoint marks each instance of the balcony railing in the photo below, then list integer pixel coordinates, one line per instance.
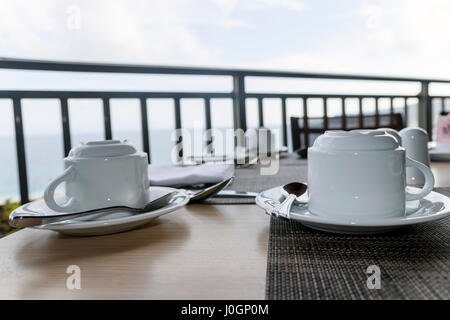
(238, 96)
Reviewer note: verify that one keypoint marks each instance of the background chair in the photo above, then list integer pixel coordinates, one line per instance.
(305, 130)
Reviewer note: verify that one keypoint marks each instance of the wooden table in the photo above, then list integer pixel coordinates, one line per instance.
(198, 252)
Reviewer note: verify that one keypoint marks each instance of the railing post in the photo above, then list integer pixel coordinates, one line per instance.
(179, 138)
(239, 102)
(405, 121)
(20, 148)
(144, 127)
(65, 126)
(284, 121)
(425, 112)
(107, 119)
(260, 113)
(209, 138)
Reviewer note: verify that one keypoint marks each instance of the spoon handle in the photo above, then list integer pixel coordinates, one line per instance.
(284, 208)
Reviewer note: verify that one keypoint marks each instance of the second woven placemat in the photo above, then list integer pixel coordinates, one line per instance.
(308, 264)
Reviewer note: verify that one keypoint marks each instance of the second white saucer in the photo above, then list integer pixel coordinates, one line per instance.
(433, 207)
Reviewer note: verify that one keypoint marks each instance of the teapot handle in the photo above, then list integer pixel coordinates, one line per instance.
(429, 180)
(49, 194)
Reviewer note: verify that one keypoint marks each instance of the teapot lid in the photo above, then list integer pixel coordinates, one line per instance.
(104, 148)
(356, 140)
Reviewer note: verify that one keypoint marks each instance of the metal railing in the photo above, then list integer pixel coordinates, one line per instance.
(238, 96)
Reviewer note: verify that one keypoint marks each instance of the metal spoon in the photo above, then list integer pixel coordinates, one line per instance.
(202, 194)
(294, 190)
(34, 219)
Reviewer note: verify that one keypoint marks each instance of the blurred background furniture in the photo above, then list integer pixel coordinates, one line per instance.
(305, 130)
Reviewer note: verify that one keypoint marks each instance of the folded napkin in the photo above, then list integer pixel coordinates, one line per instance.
(176, 176)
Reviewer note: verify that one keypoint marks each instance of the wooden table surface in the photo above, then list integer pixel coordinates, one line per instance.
(197, 252)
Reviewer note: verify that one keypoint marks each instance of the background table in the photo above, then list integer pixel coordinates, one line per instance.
(198, 252)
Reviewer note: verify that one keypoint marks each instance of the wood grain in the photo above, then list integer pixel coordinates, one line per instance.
(198, 252)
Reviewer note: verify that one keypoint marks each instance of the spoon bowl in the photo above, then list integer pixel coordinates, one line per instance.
(296, 188)
(202, 194)
(291, 191)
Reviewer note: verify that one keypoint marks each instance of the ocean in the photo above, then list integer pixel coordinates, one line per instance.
(44, 155)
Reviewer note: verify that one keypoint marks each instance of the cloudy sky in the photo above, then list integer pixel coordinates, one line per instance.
(401, 37)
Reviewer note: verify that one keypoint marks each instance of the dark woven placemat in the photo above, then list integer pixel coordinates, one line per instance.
(290, 168)
(306, 264)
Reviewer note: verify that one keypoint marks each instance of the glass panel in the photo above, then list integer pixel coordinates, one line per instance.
(251, 113)
(193, 124)
(126, 121)
(413, 112)
(105, 81)
(222, 124)
(43, 142)
(334, 110)
(272, 118)
(161, 123)
(315, 113)
(436, 109)
(399, 106)
(86, 120)
(352, 113)
(9, 177)
(384, 106)
(303, 85)
(294, 108)
(368, 108)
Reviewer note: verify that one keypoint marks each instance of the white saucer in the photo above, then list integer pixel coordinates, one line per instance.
(433, 207)
(107, 222)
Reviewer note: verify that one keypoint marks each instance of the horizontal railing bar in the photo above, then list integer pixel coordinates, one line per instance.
(170, 95)
(313, 95)
(46, 65)
(440, 97)
(110, 94)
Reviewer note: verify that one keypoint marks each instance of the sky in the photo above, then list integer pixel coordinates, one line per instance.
(402, 37)
(397, 38)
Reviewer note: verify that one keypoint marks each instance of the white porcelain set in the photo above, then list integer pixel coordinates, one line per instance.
(361, 174)
(101, 174)
(357, 184)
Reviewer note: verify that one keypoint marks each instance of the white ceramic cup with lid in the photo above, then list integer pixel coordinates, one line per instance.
(101, 174)
(415, 142)
(360, 174)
